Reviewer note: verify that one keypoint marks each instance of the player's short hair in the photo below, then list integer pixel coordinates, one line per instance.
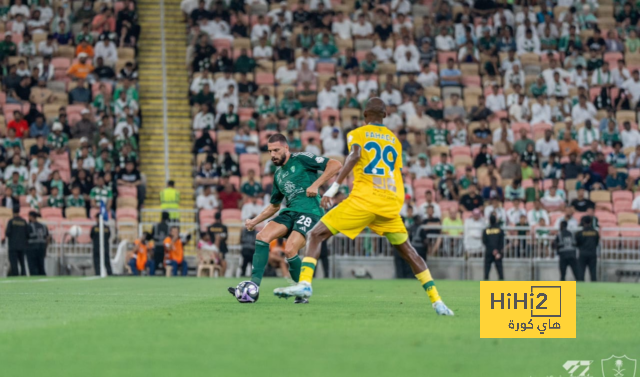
(278, 138)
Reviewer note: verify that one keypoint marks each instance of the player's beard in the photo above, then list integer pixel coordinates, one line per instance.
(279, 161)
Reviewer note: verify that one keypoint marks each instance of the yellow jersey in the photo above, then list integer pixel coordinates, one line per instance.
(377, 185)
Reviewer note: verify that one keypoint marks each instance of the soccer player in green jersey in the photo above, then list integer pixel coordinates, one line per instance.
(295, 183)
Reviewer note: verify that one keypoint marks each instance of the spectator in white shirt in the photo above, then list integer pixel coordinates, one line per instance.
(514, 76)
(528, 44)
(445, 42)
(583, 111)
(408, 64)
(107, 50)
(207, 199)
(327, 98)
(514, 213)
(366, 84)
(558, 87)
(588, 134)
(427, 77)
(19, 8)
(287, 74)
(546, 146)
(390, 95)
(632, 86)
(333, 145)
(344, 85)
(393, 121)
(284, 9)
(222, 85)
(382, 52)
(421, 168)
(262, 51)
(306, 58)
(362, 29)
(537, 213)
(260, 29)
(630, 138)
(495, 101)
(401, 49)
(620, 73)
(504, 128)
(199, 82)
(549, 73)
(540, 112)
(341, 27)
(251, 208)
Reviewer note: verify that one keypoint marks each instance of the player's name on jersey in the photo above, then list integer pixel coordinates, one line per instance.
(527, 309)
(375, 135)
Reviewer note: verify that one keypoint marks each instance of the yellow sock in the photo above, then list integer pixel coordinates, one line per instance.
(308, 267)
(429, 286)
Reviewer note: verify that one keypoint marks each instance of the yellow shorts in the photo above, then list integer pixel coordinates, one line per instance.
(350, 219)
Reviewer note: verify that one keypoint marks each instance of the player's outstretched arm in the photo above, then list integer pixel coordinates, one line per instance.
(349, 164)
(266, 213)
(333, 166)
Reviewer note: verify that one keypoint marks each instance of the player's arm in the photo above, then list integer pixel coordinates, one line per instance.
(333, 166)
(266, 213)
(349, 164)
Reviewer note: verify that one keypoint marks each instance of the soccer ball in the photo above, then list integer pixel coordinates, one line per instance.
(247, 292)
(75, 231)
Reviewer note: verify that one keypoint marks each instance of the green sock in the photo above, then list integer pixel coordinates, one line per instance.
(295, 265)
(260, 259)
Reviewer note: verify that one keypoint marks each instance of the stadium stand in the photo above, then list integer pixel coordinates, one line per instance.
(70, 111)
(531, 102)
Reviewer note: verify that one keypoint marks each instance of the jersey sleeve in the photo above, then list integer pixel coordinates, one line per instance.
(312, 162)
(276, 195)
(354, 137)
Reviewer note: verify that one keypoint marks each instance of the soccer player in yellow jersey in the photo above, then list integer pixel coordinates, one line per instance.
(375, 202)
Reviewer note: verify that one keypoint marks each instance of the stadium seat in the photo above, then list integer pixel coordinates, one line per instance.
(230, 214)
(127, 192)
(126, 213)
(49, 213)
(72, 213)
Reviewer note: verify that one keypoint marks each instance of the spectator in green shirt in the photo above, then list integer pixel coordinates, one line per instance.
(55, 200)
(7, 47)
(521, 145)
(348, 101)
(57, 140)
(244, 63)
(75, 199)
(538, 88)
(16, 185)
(369, 64)
(251, 187)
(325, 51)
(289, 104)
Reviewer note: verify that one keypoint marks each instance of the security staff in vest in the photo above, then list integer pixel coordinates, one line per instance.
(18, 233)
(95, 238)
(566, 249)
(170, 201)
(160, 232)
(37, 250)
(587, 241)
(493, 240)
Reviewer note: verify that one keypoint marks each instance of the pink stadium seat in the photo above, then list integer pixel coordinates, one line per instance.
(235, 181)
(127, 213)
(501, 159)
(246, 167)
(422, 184)
(267, 180)
(325, 114)
(612, 58)
(306, 135)
(206, 217)
(604, 216)
(226, 146)
(327, 67)
(444, 56)
(61, 63)
(127, 192)
(446, 205)
(554, 216)
(24, 211)
(472, 81)
(621, 205)
(621, 195)
(249, 158)
(49, 213)
(222, 44)
(265, 78)
(231, 214)
(604, 207)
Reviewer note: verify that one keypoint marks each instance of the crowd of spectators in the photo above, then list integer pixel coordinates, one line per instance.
(70, 113)
(524, 110)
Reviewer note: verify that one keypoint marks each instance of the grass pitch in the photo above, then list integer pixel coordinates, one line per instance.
(193, 327)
